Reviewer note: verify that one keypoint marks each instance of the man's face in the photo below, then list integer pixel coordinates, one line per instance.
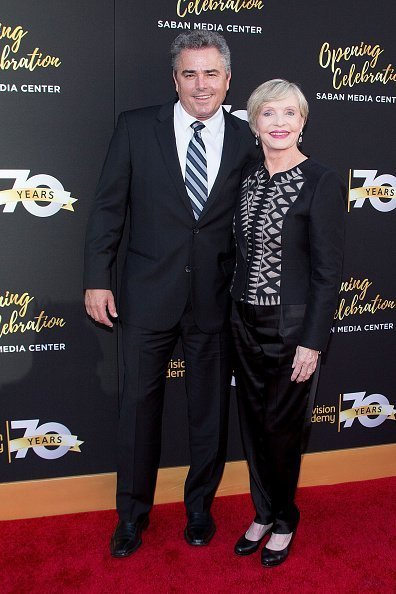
(201, 81)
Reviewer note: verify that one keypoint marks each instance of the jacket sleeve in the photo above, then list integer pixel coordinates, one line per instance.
(326, 242)
(107, 218)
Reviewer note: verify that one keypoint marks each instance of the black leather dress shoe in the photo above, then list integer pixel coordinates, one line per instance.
(127, 537)
(270, 558)
(244, 546)
(200, 529)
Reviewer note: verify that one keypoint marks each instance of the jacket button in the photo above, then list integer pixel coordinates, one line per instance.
(195, 230)
(187, 269)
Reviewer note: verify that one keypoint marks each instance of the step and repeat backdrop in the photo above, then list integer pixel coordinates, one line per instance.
(66, 71)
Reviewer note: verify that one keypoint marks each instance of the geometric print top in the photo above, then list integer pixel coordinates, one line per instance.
(264, 204)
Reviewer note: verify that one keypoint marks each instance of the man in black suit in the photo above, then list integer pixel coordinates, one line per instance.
(177, 167)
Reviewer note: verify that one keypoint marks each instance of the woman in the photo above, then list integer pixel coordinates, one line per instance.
(289, 229)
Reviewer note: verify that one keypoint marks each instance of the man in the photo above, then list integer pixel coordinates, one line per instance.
(177, 167)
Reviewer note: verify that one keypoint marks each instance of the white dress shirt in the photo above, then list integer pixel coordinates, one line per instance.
(212, 136)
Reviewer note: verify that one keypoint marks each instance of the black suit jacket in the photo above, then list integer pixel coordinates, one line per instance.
(170, 255)
(312, 251)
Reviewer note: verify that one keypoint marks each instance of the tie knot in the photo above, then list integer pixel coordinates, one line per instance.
(197, 126)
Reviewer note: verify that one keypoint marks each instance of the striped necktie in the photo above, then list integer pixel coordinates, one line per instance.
(196, 178)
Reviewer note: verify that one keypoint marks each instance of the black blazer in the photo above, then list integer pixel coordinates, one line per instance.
(312, 251)
(170, 255)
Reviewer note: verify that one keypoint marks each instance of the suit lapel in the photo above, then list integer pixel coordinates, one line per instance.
(230, 147)
(240, 235)
(166, 137)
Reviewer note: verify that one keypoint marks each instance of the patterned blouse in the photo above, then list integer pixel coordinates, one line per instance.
(265, 203)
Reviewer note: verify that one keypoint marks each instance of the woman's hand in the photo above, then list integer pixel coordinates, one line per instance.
(304, 364)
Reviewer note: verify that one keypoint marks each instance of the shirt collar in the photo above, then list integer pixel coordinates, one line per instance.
(213, 124)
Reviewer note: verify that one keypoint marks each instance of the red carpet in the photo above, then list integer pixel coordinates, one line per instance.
(346, 543)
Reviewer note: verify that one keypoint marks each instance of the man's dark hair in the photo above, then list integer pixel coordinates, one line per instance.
(200, 39)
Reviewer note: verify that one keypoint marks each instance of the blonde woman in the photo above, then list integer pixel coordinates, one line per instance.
(289, 228)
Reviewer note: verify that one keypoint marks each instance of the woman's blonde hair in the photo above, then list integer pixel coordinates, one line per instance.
(273, 90)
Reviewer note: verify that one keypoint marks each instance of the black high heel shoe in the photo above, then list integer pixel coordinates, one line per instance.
(270, 558)
(244, 546)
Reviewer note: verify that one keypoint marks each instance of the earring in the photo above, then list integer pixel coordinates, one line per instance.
(257, 139)
(300, 138)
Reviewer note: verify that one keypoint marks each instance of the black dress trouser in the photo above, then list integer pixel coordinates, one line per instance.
(271, 407)
(207, 378)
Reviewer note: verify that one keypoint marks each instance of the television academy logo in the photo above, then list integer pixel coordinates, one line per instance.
(49, 441)
(42, 195)
(239, 113)
(370, 410)
(378, 190)
(176, 369)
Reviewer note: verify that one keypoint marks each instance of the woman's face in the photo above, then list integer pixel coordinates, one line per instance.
(279, 123)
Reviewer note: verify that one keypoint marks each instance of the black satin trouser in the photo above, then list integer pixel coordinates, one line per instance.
(271, 407)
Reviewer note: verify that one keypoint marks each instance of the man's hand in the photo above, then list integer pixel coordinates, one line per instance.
(98, 303)
(304, 364)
